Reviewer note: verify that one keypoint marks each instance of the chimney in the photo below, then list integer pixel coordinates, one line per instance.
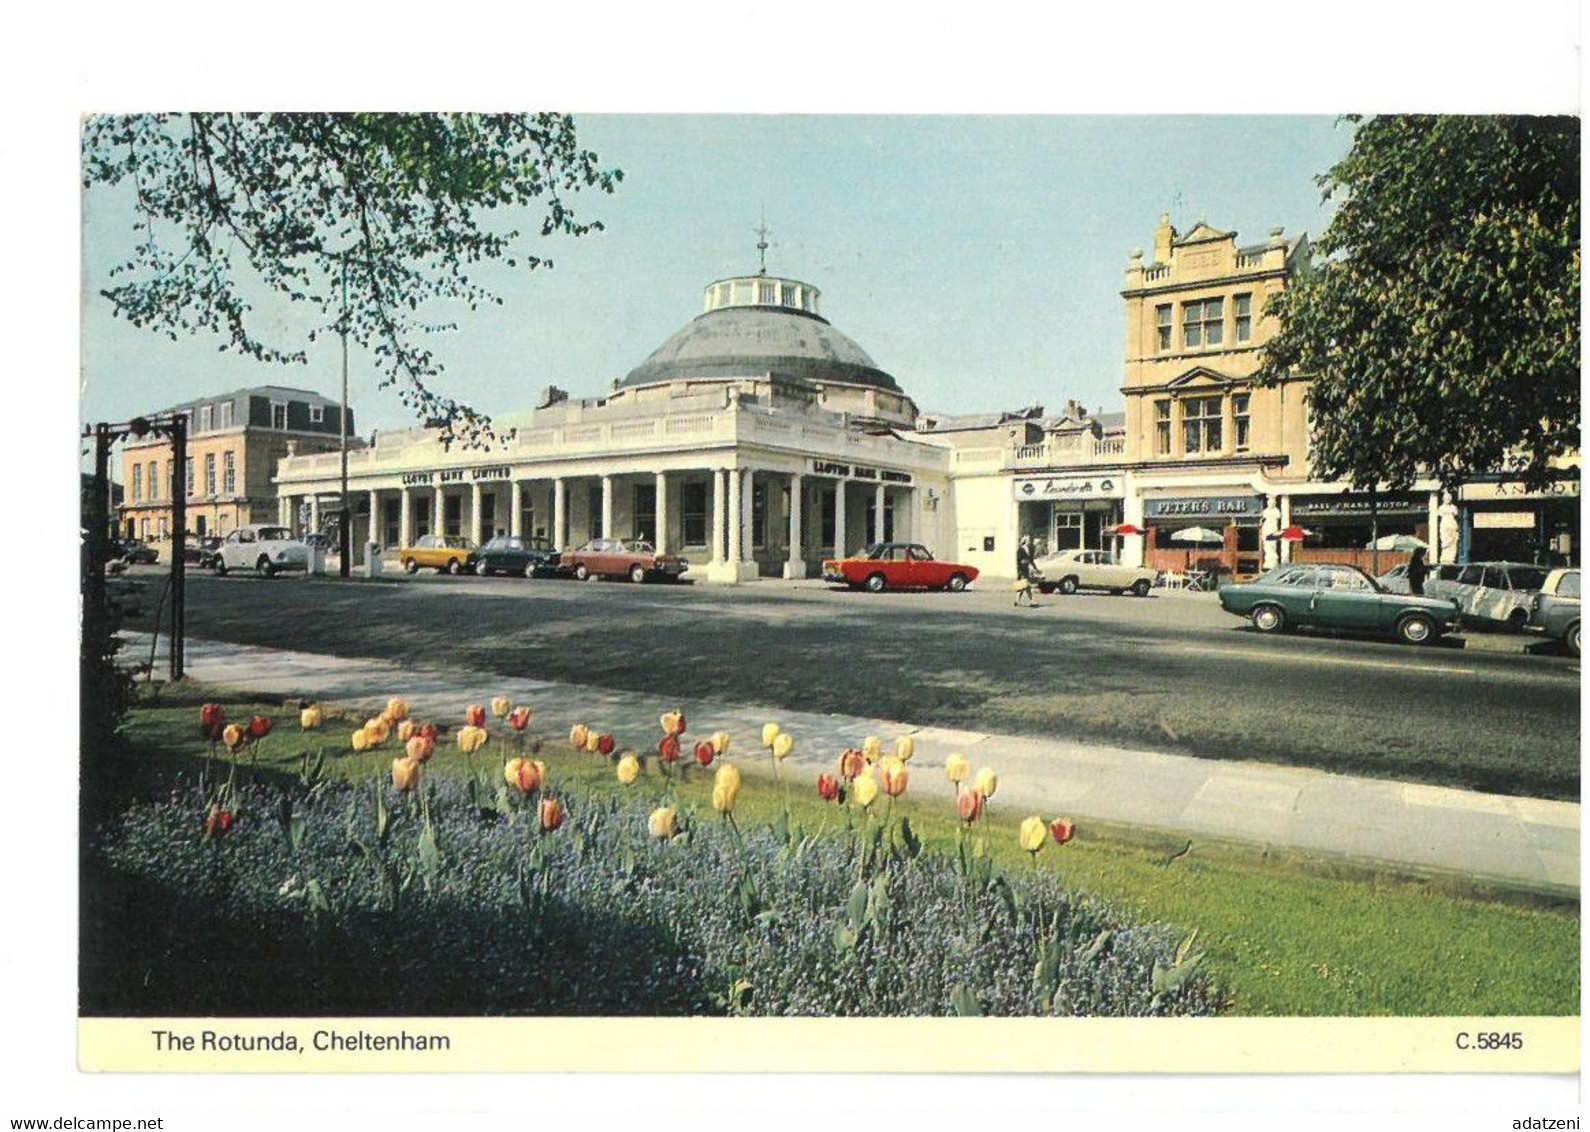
(1164, 235)
(551, 395)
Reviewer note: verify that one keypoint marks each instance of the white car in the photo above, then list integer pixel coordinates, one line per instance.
(1073, 570)
(261, 547)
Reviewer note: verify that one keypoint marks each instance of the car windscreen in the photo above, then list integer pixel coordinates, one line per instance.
(275, 534)
(1568, 584)
(1527, 578)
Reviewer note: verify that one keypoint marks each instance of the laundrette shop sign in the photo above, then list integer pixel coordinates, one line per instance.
(1068, 487)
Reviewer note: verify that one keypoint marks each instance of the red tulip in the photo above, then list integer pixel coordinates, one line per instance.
(551, 812)
(212, 716)
(1062, 830)
(828, 787)
(851, 764)
(605, 744)
(218, 822)
(970, 805)
(259, 727)
(668, 749)
(519, 718)
(475, 715)
(705, 752)
(428, 731)
(216, 731)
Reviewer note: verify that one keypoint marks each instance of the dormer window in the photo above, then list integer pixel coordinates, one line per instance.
(279, 415)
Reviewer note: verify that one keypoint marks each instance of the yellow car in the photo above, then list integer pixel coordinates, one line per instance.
(447, 554)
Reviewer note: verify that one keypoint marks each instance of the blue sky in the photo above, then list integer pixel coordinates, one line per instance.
(977, 259)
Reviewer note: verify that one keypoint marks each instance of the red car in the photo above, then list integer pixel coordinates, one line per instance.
(621, 558)
(898, 566)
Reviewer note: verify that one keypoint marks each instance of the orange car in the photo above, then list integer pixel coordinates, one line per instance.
(448, 554)
(622, 558)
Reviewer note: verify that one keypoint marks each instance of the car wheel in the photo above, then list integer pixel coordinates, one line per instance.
(1571, 638)
(266, 567)
(1518, 620)
(410, 566)
(480, 569)
(1046, 587)
(1068, 585)
(582, 573)
(637, 573)
(957, 583)
(876, 583)
(220, 567)
(1116, 591)
(1416, 629)
(454, 566)
(1268, 618)
(1141, 587)
(529, 569)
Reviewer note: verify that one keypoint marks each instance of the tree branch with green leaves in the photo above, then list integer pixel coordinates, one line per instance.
(402, 208)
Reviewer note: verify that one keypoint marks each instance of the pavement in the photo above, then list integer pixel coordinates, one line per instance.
(1518, 843)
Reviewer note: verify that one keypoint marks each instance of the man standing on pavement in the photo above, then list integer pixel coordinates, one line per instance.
(1417, 572)
(1024, 571)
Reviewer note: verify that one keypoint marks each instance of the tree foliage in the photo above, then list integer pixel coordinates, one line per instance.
(1440, 321)
(402, 208)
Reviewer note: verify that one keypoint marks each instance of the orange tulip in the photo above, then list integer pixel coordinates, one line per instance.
(475, 715)
(851, 764)
(526, 774)
(519, 718)
(894, 776)
(828, 788)
(405, 774)
(234, 736)
(420, 748)
(406, 730)
(673, 723)
(551, 813)
(378, 730)
(970, 805)
(397, 710)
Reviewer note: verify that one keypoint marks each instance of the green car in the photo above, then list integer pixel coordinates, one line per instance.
(1337, 597)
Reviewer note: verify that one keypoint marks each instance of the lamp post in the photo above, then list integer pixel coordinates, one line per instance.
(344, 523)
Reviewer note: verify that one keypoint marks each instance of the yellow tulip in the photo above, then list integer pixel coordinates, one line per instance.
(864, 789)
(783, 744)
(956, 768)
(720, 743)
(378, 730)
(725, 789)
(628, 768)
(577, 735)
(500, 706)
(663, 823)
(673, 722)
(1032, 834)
(872, 748)
(405, 774)
(405, 730)
(397, 709)
(472, 739)
(769, 733)
(987, 782)
(361, 740)
(593, 742)
(894, 777)
(309, 718)
(904, 748)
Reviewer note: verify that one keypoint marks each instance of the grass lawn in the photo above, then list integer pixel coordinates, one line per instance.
(1283, 935)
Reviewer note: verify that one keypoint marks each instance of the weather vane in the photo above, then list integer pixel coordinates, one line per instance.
(762, 231)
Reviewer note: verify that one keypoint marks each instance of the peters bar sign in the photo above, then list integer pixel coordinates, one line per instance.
(857, 472)
(1067, 487)
(1203, 507)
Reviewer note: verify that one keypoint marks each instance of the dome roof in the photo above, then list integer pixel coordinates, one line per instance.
(760, 325)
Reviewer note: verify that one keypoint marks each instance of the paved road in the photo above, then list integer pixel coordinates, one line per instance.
(1171, 673)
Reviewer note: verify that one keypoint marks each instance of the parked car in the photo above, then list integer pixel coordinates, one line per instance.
(1493, 595)
(447, 554)
(135, 552)
(511, 554)
(200, 551)
(1073, 570)
(897, 566)
(1395, 580)
(634, 559)
(1337, 597)
(266, 548)
(1554, 610)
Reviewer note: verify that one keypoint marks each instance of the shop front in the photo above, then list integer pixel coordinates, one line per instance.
(1069, 512)
(1345, 526)
(1501, 522)
(1170, 543)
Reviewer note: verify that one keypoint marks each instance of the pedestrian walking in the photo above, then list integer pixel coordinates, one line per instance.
(1418, 570)
(1026, 571)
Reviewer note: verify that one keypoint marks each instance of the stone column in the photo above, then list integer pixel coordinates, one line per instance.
(405, 518)
(839, 518)
(474, 513)
(607, 507)
(1286, 521)
(795, 567)
(560, 516)
(735, 517)
(284, 510)
(747, 529)
(314, 512)
(438, 511)
(660, 538)
(877, 514)
(516, 505)
(375, 518)
(1433, 525)
(717, 515)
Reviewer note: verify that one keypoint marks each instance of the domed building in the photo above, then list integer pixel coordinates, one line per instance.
(755, 441)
